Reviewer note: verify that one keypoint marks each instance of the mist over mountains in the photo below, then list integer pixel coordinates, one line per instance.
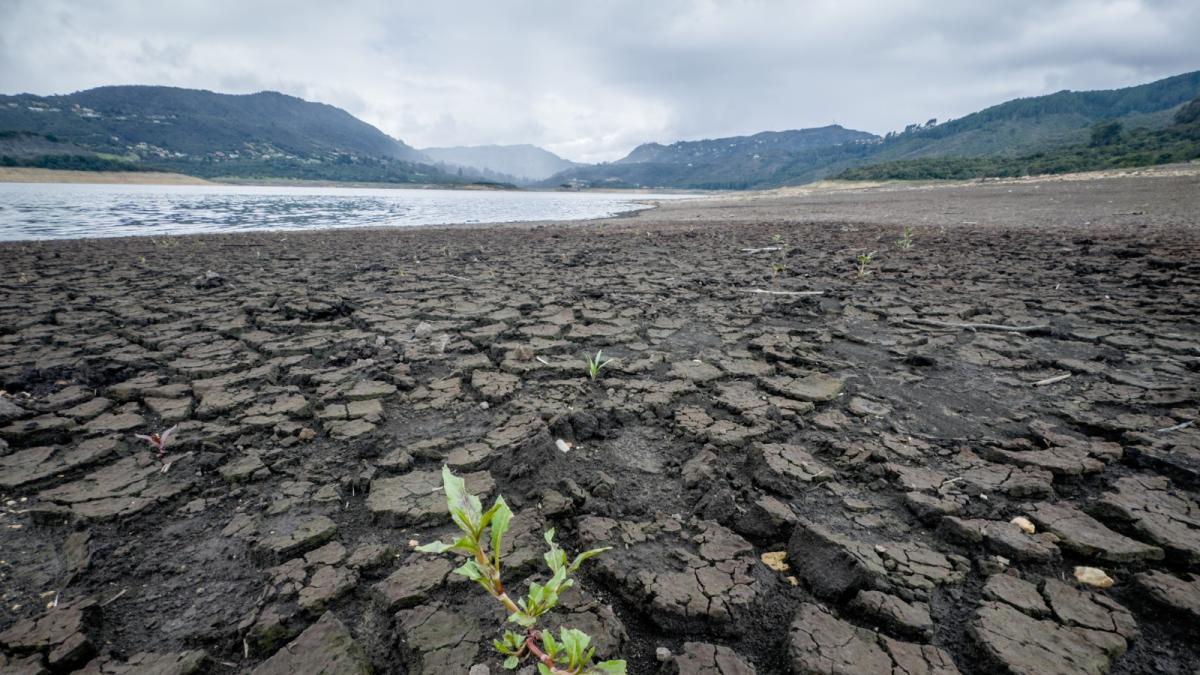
(526, 163)
(272, 135)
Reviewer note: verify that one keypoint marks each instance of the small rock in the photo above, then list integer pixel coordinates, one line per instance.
(776, 560)
(209, 279)
(1093, 576)
(1025, 524)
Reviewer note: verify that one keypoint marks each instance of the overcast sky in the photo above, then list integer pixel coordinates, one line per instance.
(591, 79)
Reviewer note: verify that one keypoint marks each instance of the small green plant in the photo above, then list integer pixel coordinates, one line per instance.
(570, 653)
(905, 242)
(596, 363)
(864, 264)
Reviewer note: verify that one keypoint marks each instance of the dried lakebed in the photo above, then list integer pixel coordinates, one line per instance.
(806, 483)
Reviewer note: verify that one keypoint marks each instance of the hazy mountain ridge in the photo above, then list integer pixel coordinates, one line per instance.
(736, 162)
(717, 149)
(524, 162)
(1018, 127)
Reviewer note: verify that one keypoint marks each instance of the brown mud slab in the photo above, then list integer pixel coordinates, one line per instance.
(1034, 354)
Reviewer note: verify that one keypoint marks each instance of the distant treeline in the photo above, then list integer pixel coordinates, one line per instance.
(74, 163)
(352, 170)
(1110, 147)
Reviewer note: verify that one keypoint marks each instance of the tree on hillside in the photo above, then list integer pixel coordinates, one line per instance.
(1189, 113)
(1106, 133)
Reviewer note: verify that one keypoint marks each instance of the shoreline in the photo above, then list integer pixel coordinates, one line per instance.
(52, 176)
(18, 174)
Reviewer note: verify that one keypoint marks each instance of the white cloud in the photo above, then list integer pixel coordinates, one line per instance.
(591, 80)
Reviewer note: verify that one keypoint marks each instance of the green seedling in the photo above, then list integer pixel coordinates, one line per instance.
(905, 241)
(864, 264)
(596, 364)
(480, 544)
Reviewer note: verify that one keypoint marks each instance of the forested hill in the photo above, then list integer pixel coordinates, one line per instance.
(203, 133)
(1110, 145)
(738, 162)
(767, 142)
(1057, 127)
(1026, 125)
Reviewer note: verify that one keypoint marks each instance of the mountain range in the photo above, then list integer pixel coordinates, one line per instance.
(524, 163)
(1013, 128)
(272, 135)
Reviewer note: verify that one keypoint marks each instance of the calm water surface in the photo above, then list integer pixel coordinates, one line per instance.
(70, 211)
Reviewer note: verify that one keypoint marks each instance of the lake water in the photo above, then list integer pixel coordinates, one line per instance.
(71, 211)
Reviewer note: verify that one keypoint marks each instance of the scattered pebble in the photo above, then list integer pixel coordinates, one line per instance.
(1093, 576)
(1024, 523)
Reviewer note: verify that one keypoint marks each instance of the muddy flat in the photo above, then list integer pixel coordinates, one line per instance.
(975, 454)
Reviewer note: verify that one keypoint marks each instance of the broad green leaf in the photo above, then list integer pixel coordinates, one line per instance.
(457, 501)
(435, 547)
(575, 644)
(612, 667)
(543, 670)
(585, 555)
(471, 570)
(550, 645)
(500, 521)
(522, 619)
(512, 662)
(555, 558)
(466, 545)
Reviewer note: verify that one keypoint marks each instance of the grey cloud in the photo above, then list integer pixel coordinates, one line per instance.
(592, 79)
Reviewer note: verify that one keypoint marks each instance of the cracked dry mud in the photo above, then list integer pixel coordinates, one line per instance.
(872, 455)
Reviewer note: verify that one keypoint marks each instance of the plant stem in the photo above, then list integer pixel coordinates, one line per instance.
(508, 603)
(531, 637)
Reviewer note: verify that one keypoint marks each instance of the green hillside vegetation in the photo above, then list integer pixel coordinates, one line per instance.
(1039, 134)
(1027, 125)
(738, 147)
(210, 135)
(1110, 146)
(739, 163)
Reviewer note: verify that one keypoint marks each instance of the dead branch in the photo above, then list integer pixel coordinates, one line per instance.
(790, 293)
(1178, 427)
(1050, 380)
(979, 326)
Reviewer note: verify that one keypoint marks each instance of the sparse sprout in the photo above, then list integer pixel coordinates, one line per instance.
(596, 363)
(481, 543)
(864, 264)
(905, 242)
(160, 440)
